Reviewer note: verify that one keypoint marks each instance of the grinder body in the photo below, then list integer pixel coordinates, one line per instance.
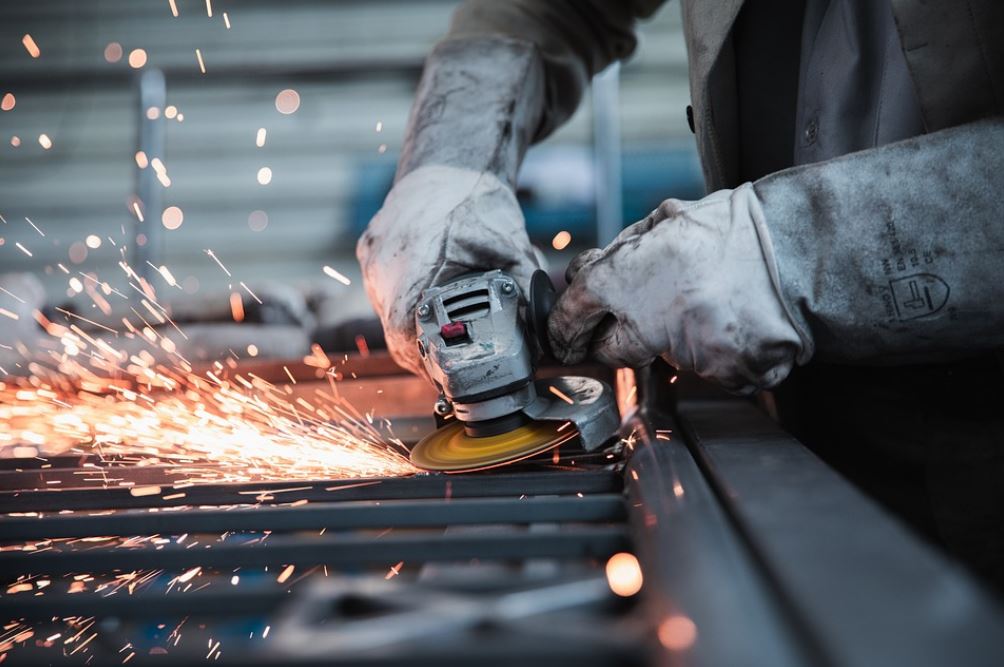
(480, 339)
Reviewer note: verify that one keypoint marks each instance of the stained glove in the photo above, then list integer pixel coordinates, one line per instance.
(695, 282)
(890, 255)
(438, 223)
(453, 208)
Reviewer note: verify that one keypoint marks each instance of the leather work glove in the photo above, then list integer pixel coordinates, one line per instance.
(453, 207)
(886, 256)
(438, 223)
(694, 282)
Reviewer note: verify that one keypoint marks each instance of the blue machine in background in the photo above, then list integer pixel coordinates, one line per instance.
(556, 188)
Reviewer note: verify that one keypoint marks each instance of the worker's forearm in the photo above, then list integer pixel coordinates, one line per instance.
(895, 253)
(478, 107)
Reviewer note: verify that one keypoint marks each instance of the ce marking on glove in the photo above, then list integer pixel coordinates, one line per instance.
(918, 295)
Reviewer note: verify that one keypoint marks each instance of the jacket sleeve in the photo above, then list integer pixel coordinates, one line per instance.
(509, 73)
(895, 254)
(576, 39)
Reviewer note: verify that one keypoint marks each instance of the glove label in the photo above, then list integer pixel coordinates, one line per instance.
(918, 295)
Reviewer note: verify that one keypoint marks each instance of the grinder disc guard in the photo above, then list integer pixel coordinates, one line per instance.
(450, 449)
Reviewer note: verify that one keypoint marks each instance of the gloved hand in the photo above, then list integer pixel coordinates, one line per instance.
(453, 209)
(438, 223)
(695, 282)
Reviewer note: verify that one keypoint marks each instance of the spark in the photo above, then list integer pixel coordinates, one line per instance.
(557, 392)
(209, 8)
(379, 126)
(140, 491)
(172, 217)
(236, 307)
(22, 248)
(113, 52)
(226, 20)
(8, 102)
(30, 46)
(260, 139)
(137, 58)
(332, 273)
(265, 631)
(264, 176)
(561, 240)
(624, 574)
(287, 101)
(34, 226)
(139, 213)
(213, 256)
(174, 8)
(44, 141)
(394, 570)
(93, 241)
(202, 64)
(253, 295)
(677, 633)
(285, 574)
(12, 295)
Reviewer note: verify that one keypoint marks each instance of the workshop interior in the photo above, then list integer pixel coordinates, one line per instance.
(284, 381)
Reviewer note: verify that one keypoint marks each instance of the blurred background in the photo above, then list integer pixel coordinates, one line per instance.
(268, 133)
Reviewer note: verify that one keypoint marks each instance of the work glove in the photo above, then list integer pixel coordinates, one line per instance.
(453, 209)
(436, 224)
(892, 255)
(694, 282)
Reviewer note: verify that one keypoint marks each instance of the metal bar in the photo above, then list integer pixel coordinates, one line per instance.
(607, 154)
(695, 566)
(224, 601)
(151, 140)
(388, 488)
(335, 516)
(869, 589)
(341, 550)
(98, 477)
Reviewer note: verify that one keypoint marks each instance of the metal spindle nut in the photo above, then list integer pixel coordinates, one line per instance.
(443, 407)
(508, 288)
(424, 311)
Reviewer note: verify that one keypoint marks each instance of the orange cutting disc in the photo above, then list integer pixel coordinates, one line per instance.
(450, 449)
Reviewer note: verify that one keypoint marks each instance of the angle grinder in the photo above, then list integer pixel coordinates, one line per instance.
(480, 339)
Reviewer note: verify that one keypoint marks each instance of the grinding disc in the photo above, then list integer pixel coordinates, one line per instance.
(450, 449)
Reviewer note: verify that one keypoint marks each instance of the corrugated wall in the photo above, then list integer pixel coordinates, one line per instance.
(354, 64)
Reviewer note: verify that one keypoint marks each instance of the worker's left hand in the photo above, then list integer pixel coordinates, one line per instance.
(694, 282)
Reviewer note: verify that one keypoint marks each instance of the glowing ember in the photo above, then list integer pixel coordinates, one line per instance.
(172, 217)
(8, 102)
(258, 221)
(44, 141)
(561, 240)
(264, 176)
(137, 58)
(331, 273)
(624, 574)
(677, 633)
(30, 46)
(287, 101)
(113, 52)
(93, 241)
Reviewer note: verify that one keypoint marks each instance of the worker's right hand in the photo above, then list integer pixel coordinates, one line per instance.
(436, 224)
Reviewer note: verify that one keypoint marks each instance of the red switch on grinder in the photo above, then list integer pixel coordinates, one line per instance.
(453, 331)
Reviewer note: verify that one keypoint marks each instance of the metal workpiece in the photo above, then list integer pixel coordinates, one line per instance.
(700, 581)
(317, 624)
(865, 587)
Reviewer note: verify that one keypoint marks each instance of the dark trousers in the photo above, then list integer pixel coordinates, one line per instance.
(925, 441)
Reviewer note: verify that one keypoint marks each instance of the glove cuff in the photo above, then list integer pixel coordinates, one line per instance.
(748, 196)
